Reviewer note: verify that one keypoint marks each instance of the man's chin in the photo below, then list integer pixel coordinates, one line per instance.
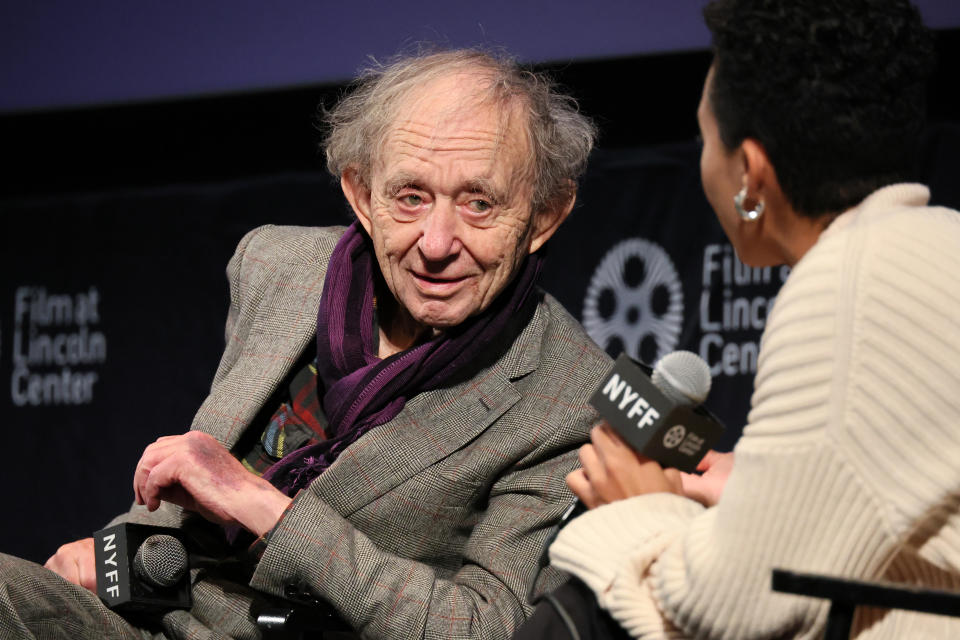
(440, 319)
(440, 325)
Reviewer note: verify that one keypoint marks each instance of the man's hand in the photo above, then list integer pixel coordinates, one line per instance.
(613, 471)
(707, 488)
(195, 471)
(74, 562)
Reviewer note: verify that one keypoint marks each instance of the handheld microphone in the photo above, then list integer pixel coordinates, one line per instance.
(161, 560)
(141, 568)
(660, 414)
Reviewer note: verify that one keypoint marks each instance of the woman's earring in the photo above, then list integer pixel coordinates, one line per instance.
(747, 216)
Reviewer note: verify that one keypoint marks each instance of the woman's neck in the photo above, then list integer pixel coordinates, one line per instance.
(795, 234)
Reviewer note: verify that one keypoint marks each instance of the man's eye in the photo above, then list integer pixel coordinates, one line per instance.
(411, 200)
(479, 206)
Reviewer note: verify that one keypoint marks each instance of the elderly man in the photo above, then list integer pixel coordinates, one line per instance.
(398, 403)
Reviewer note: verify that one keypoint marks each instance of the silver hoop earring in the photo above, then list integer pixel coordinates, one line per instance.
(747, 216)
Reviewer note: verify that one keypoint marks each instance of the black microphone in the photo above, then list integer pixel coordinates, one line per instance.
(161, 560)
(142, 568)
(660, 413)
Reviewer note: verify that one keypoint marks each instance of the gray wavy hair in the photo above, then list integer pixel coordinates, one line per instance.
(561, 137)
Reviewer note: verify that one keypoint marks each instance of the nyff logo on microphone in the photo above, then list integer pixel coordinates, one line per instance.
(111, 568)
(651, 423)
(118, 583)
(617, 387)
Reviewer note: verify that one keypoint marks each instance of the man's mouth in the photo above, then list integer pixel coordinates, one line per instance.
(435, 284)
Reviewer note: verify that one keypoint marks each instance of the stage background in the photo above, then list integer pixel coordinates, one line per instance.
(118, 223)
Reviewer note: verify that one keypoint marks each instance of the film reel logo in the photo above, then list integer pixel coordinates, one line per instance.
(674, 436)
(634, 303)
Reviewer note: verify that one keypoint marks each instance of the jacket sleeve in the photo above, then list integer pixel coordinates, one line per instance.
(432, 558)
(380, 594)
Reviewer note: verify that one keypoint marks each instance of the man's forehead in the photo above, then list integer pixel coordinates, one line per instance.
(448, 114)
(451, 118)
(447, 91)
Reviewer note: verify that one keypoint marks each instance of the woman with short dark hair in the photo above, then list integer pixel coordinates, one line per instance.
(848, 464)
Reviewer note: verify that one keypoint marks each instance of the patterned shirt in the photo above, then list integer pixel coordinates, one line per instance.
(298, 421)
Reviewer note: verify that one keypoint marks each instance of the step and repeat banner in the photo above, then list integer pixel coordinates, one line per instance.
(112, 309)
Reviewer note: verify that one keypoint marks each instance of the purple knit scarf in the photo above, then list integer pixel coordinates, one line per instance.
(357, 390)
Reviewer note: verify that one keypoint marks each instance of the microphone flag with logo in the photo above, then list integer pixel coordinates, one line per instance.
(661, 418)
(141, 568)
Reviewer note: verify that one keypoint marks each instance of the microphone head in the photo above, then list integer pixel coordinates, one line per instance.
(683, 377)
(161, 560)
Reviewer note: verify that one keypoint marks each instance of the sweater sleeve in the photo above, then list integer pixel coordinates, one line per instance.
(850, 447)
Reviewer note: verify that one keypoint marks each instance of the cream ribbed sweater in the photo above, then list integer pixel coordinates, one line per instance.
(850, 463)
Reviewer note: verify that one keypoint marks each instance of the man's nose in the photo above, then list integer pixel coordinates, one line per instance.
(438, 235)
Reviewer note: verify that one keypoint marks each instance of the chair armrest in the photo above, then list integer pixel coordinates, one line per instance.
(298, 622)
(874, 594)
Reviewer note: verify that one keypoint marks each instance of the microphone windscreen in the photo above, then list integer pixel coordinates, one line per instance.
(161, 560)
(683, 377)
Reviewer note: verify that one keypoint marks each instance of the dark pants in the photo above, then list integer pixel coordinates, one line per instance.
(571, 611)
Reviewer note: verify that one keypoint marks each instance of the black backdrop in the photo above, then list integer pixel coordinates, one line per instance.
(118, 223)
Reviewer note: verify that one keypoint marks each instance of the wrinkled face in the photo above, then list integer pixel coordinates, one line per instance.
(448, 205)
(721, 171)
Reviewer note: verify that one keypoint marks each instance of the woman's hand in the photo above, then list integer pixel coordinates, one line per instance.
(707, 487)
(613, 471)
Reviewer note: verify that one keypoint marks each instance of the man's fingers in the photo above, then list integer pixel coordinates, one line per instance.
(74, 562)
(159, 480)
(154, 454)
(147, 460)
(62, 567)
(164, 483)
(139, 477)
(86, 574)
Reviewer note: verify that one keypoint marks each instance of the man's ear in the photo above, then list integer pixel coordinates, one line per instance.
(357, 192)
(546, 222)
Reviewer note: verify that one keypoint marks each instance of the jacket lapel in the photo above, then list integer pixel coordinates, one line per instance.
(279, 318)
(431, 426)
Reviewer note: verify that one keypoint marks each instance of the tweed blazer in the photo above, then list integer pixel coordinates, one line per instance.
(430, 525)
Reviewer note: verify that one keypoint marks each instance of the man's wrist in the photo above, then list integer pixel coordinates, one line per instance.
(255, 551)
(271, 505)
